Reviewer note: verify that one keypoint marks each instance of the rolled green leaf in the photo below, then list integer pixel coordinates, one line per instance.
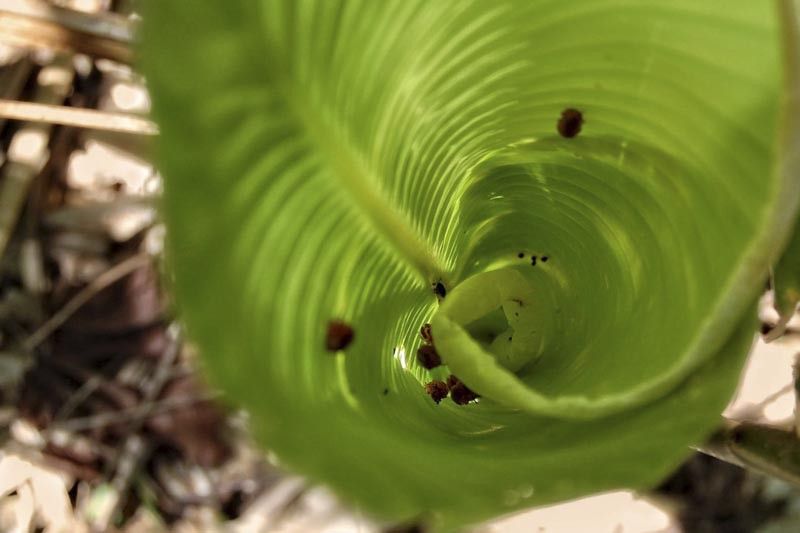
(583, 198)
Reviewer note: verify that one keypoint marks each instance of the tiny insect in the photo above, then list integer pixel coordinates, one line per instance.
(338, 336)
(452, 381)
(533, 260)
(570, 123)
(439, 289)
(437, 390)
(544, 259)
(462, 395)
(426, 333)
(428, 357)
(521, 255)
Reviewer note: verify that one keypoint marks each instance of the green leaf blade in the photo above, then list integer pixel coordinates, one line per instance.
(332, 159)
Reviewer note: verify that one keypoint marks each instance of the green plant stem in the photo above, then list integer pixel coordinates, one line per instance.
(768, 450)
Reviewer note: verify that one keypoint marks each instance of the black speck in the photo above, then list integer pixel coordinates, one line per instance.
(516, 314)
(533, 260)
(569, 125)
(428, 357)
(766, 328)
(521, 255)
(544, 259)
(510, 338)
(439, 289)
(385, 392)
(339, 335)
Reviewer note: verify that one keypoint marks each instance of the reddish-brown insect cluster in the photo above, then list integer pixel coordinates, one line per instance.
(339, 335)
(429, 358)
(427, 355)
(459, 393)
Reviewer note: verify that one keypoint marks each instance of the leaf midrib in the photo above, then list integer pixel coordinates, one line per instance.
(360, 185)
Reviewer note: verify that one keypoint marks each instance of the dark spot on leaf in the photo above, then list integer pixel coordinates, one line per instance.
(510, 338)
(544, 259)
(426, 333)
(533, 260)
(428, 357)
(437, 390)
(439, 289)
(385, 392)
(521, 255)
(339, 335)
(569, 125)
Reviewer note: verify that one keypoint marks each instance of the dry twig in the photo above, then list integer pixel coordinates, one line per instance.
(127, 415)
(75, 117)
(102, 281)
